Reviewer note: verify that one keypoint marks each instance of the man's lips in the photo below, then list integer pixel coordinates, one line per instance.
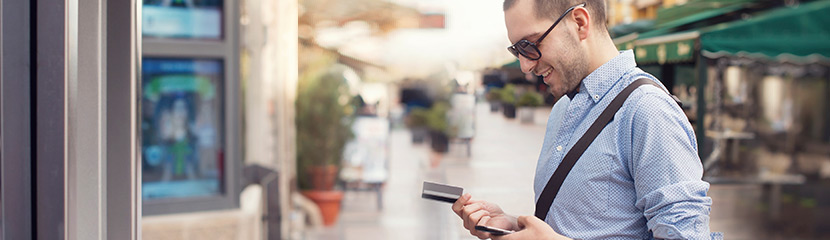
(546, 76)
(546, 73)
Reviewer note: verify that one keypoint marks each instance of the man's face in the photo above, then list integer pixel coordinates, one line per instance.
(564, 62)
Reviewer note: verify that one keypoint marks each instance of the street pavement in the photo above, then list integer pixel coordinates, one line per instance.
(500, 169)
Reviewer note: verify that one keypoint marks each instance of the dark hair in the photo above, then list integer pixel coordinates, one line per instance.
(553, 8)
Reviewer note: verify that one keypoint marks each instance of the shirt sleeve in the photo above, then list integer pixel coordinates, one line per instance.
(667, 171)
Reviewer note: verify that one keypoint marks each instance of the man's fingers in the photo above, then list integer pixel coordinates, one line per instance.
(471, 208)
(532, 228)
(471, 201)
(459, 204)
(482, 235)
(483, 221)
(522, 221)
(467, 212)
(504, 237)
(475, 219)
(479, 234)
(525, 221)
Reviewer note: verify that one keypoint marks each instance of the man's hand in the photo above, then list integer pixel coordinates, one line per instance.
(532, 228)
(477, 212)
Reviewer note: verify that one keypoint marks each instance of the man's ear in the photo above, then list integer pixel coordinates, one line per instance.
(583, 22)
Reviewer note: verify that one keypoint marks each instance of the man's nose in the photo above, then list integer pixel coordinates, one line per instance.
(526, 64)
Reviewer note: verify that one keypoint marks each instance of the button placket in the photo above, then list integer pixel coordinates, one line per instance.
(569, 125)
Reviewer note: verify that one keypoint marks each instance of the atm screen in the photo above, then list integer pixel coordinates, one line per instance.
(186, 19)
(182, 128)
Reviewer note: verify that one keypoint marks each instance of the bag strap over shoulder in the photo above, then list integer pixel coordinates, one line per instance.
(555, 182)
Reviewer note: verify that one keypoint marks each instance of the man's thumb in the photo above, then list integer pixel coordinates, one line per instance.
(525, 221)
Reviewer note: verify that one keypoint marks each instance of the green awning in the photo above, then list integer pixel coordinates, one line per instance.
(665, 44)
(701, 16)
(694, 14)
(694, 8)
(625, 42)
(638, 26)
(673, 48)
(513, 64)
(796, 34)
(800, 33)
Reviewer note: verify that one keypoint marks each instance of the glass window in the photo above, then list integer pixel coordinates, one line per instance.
(182, 133)
(188, 19)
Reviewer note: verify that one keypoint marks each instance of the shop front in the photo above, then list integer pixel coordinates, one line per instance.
(756, 90)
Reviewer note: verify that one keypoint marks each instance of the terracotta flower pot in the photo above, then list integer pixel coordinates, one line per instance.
(328, 202)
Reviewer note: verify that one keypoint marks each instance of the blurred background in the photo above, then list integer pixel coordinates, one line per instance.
(320, 119)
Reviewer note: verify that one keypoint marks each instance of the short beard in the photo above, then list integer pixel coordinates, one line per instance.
(573, 69)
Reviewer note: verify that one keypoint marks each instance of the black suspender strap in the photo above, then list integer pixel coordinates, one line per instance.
(555, 181)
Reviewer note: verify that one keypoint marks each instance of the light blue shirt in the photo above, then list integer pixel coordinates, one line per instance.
(640, 178)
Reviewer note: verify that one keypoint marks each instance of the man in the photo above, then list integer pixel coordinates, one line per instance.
(640, 178)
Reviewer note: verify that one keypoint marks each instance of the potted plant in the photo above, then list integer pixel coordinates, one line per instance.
(508, 100)
(417, 124)
(323, 128)
(493, 97)
(439, 131)
(527, 103)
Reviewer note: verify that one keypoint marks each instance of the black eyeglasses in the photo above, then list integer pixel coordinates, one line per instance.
(529, 49)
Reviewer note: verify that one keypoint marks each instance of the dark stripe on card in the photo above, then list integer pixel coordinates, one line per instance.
(438, 198)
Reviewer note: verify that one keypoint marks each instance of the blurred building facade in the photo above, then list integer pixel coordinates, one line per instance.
(628, 11)
(702, 50)
(751, 75)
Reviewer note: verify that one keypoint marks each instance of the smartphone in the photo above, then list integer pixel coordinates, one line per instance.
(493, 230)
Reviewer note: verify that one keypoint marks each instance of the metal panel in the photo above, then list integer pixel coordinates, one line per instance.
(123, 46)
(179, 48)
(15, 120)
(49, 118)
(234, 108)
(86, 122)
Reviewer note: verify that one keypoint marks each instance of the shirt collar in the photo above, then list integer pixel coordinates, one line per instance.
(572, 93)
(597, 84)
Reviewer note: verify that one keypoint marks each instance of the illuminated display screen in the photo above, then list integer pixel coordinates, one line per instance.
(188, 19)
(182, 133)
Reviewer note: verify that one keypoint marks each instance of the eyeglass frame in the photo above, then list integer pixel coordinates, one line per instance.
(513, 49)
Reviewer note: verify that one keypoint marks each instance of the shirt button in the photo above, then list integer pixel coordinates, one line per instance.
(596, 97)
(559, 148)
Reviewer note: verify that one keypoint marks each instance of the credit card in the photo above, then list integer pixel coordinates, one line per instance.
(441, 192)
